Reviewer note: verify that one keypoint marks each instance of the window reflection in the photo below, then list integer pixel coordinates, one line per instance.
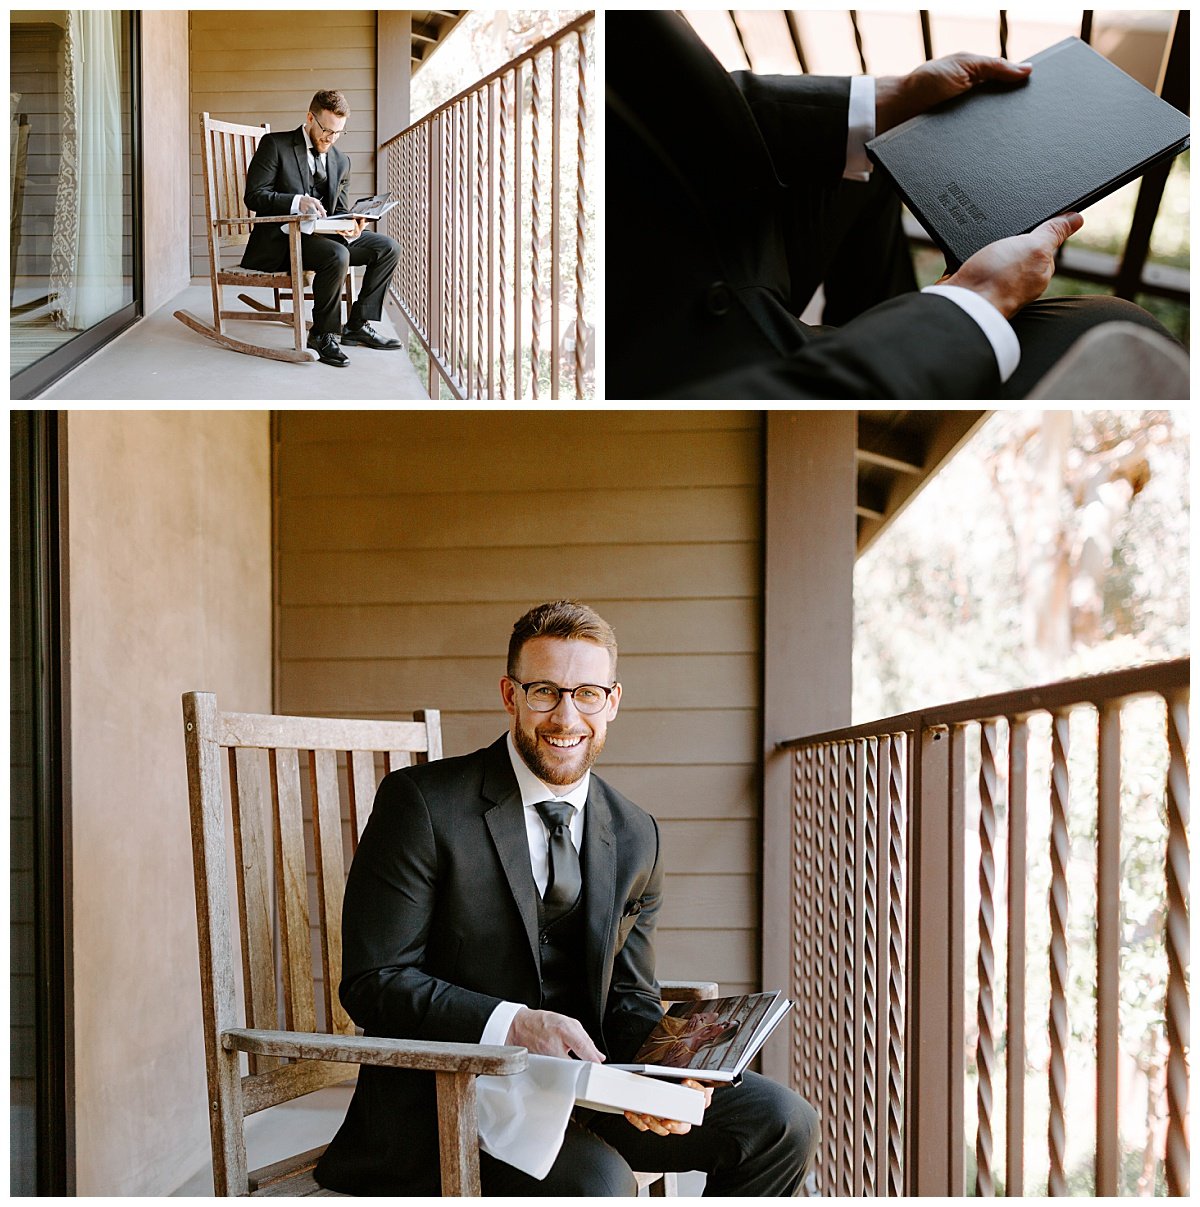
(70, 160)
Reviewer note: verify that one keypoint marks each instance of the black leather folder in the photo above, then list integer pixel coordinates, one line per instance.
(1001, 159)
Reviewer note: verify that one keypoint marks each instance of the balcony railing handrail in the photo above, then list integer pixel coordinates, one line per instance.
(532, 52)
(1150, 679)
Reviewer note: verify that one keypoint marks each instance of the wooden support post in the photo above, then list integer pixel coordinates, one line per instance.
(807, 636)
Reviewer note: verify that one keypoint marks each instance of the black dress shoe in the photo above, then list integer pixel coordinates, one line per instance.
(368, 337)
(326, 347)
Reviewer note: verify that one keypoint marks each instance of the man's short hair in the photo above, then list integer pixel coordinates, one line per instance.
(564, 618)
(331, 101)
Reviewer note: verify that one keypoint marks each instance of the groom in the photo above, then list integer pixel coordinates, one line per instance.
(511, 896)
(301, 171)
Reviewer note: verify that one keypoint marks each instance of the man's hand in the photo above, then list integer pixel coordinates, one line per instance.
(311, 206)
(670, 1127)
(359, 223)
(899, 97)
(551, 1034)
(1011, 273)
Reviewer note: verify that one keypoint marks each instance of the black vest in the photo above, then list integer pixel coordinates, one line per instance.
(564, 972)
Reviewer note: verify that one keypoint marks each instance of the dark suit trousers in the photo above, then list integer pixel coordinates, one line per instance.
(858, 248)
(757, 1139)
(329, 257)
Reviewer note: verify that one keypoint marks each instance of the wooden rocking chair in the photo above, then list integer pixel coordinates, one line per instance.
(227, 150)
(305, 1053)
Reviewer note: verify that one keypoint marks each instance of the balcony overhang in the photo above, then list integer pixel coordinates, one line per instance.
(429, 31)
(896, 455)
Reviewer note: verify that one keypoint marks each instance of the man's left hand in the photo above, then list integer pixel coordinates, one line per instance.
(359, 224)
(669, 1127)
(899, 97)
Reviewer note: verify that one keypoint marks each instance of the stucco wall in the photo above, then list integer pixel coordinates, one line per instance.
(169, 539)
(165, 128)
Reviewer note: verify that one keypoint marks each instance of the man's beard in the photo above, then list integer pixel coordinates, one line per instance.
(528, 749)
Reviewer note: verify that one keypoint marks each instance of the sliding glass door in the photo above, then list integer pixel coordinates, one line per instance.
(74, 169)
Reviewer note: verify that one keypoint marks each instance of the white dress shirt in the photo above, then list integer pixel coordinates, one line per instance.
(532, 791)
(860, 130)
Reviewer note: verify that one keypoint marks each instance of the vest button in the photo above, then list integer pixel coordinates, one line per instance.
(719, 299)
(543, 938)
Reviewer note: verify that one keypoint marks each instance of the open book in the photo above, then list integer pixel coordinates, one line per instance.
(613, 1089)
(709, 1040)
(342, 223)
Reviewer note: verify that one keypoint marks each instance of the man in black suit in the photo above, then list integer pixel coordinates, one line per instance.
(511, 896)
(302, 172)
(731, 196)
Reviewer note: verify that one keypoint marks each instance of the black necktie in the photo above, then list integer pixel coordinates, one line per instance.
(562, 889)
(320, 180)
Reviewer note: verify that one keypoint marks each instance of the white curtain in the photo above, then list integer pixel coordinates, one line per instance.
(86, 275)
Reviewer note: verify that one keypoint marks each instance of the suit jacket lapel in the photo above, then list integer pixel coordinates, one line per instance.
(506, 824)
(599, 888)
(300, 150)
(336, 163)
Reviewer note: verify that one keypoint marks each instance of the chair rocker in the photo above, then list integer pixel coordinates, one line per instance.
(226, 152)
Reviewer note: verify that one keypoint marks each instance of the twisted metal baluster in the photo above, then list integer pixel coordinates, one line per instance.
(535, 346)
(481, 246)
(805, 888)
(820, 1036)
(896, 821)
(580, 214)
(985, 1052)
(833, 1045)
(1060, 855)
(797, 983)
(423, 232)
(1178, 940)
(503, 290)
(849, 1118)
(870, 958)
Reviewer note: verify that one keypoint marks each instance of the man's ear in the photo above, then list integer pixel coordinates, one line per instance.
(614, 701)
(508, 693)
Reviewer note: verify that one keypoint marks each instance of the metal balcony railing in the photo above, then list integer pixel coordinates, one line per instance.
(494, 229)
(887, 1030)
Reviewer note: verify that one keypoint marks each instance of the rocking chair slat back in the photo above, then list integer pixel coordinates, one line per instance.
(300, 790)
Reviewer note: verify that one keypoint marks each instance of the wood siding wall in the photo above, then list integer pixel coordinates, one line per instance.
(264, 65)
(407, 544)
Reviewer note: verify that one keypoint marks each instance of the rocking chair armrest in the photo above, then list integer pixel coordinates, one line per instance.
(265, 218)
(374, 1050)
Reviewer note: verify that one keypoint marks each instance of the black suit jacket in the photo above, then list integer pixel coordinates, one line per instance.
(278, 171)
(714, 183)
(440, 925)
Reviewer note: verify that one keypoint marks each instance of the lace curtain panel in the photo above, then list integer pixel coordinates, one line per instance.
(86, 276)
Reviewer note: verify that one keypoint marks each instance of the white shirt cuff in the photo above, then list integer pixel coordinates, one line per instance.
(991, 322)
(861, 127)
(496, 1030)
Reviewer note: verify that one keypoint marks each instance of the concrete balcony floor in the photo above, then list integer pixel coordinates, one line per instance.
(159, 358)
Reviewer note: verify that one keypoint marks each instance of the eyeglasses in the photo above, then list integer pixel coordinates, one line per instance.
(331, 133)
(544, 696)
